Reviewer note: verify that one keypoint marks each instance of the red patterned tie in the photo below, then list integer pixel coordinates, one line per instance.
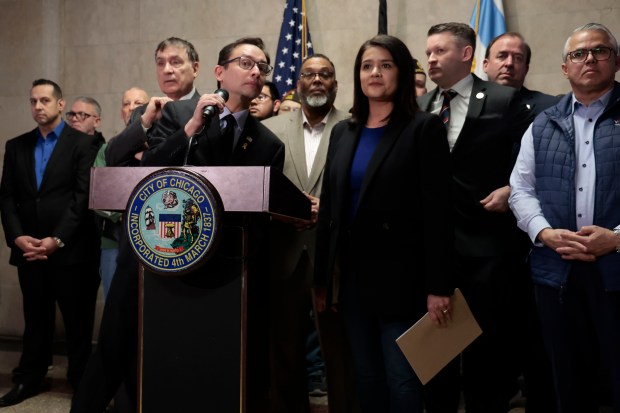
(444, 113)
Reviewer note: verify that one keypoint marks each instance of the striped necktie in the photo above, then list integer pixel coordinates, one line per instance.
(444, 113)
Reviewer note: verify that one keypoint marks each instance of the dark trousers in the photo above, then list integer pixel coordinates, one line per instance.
(74, 288)
(581, 329)
(290, 325)
(487, 370)
(115, 359)
(339, 369)
(386, 383)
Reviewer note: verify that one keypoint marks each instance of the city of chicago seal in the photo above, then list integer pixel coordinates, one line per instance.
(173, 220)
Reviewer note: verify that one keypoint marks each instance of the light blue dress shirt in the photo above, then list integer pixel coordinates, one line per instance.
(43, 150)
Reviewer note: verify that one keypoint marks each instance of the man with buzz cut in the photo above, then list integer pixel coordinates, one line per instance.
(565, 195)
(52, 237)
(305, 134)
(485, 122)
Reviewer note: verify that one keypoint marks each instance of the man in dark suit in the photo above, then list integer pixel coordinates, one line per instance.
(507, 62)
(177, 65)
(232, 138)
(114, 361)
(485, 122)
(52, 236)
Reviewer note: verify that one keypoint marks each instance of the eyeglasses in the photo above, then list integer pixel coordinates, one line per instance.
(247, 64)
(263, 97)
(81, 116)
(311, 75)
(598, 53)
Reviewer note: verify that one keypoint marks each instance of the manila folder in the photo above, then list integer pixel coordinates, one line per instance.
(429, 348)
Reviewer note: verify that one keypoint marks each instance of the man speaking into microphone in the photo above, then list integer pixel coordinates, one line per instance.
(215, 131)
(237, 138)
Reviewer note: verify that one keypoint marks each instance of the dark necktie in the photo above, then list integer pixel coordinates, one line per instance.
(444, 113)
(227, 133)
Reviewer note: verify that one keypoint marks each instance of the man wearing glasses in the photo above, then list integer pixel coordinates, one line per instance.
(305, 134)
(231, 138)
(267, 103)
(85, 116)
(565, 195)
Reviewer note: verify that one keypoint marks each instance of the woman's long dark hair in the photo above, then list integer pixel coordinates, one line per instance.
(404, 100)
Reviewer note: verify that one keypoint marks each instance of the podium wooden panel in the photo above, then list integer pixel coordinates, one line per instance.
(193, 328)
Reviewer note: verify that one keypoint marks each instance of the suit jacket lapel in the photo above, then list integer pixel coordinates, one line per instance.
(321, 153)
(426, 101)
(297, 148)
(477, 100)
(391, 134)
(28, 160)
(245, 143)
(58, 154)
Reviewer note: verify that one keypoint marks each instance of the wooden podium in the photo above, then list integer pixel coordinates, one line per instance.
(193, 338)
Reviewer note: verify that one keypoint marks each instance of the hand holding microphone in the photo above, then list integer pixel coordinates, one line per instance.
(211, 110)
(207, 107)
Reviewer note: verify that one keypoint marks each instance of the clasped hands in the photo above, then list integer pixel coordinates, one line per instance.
(584, 245)
(36, 249)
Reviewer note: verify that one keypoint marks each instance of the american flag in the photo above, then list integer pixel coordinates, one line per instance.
(169, 225)
(293, 47)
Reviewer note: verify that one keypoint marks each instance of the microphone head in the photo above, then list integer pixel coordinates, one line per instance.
(222, 93)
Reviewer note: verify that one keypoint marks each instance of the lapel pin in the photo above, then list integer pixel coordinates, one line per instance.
(245, 146)
(527, 105)
(479, 95)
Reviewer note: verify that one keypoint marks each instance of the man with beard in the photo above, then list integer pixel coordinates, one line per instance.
(305, 134)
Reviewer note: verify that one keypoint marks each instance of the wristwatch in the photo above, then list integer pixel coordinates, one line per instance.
(617, 234)
(59, 242)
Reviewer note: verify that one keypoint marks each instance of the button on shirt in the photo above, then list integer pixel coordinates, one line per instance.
(458, 107)
(43, 150)
(312, 139)
(523, 181)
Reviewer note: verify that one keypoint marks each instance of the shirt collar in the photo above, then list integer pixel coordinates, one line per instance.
(305, 119)
(603, 100)
(189, 95)
(240, 117)
(56, 132)
(463, 87)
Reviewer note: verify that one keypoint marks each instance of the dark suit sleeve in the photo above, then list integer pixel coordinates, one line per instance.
(76, 210)
(122, 147)
(167, 140)
(8, 202)
(520, 119)
(321, 265)
(435, 191)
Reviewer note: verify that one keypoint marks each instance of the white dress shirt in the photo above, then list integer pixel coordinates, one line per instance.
(312, 138)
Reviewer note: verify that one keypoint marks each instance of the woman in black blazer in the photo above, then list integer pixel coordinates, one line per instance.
(385, 236)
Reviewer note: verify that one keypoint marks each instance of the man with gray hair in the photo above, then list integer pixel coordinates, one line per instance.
(85, 116)
(565, 195)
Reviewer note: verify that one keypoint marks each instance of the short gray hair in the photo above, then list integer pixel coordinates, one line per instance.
(586, 27)
(90, 101)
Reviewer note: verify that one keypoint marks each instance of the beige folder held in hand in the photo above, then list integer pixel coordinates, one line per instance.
(429, 348)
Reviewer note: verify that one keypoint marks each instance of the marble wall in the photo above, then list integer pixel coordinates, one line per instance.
(99, 49)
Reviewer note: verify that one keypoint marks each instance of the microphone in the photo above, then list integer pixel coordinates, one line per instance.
(212, 110)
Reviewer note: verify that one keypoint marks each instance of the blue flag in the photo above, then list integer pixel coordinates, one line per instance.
(294, 46)
(488, 21)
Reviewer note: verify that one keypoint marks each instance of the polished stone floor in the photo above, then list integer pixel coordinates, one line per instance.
(56, 394)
